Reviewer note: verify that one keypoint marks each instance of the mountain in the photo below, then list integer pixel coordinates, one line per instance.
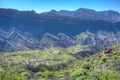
(88, 14)
(28, 30)
(16, 40)
(39, 24)
(59, 45)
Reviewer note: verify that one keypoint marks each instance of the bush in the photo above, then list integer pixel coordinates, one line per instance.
(79, 72)
(86, 65)
(95, 74)
(25, 74)
(81, 78)
(103, 60)
(6, 76)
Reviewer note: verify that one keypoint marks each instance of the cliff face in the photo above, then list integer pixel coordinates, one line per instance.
(16, 40)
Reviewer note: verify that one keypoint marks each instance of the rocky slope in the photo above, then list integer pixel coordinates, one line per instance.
(16, 40)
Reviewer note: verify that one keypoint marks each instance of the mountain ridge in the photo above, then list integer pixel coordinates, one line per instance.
(15, 40)
(30, 29)
(81, 13)
(89, 14)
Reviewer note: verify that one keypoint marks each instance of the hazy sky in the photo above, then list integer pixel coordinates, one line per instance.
(47, 5)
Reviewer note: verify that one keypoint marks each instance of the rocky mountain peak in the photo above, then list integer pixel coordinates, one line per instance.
(83, 10)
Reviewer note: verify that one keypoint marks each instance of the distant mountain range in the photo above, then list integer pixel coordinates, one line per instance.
(88, 14)
(27, 30)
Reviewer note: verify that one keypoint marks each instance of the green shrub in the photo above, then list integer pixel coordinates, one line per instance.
(86, 65)
(6, 76)
(25, 74)
(103, 60)
(81, 78)
(78, 72)
(95, 74)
